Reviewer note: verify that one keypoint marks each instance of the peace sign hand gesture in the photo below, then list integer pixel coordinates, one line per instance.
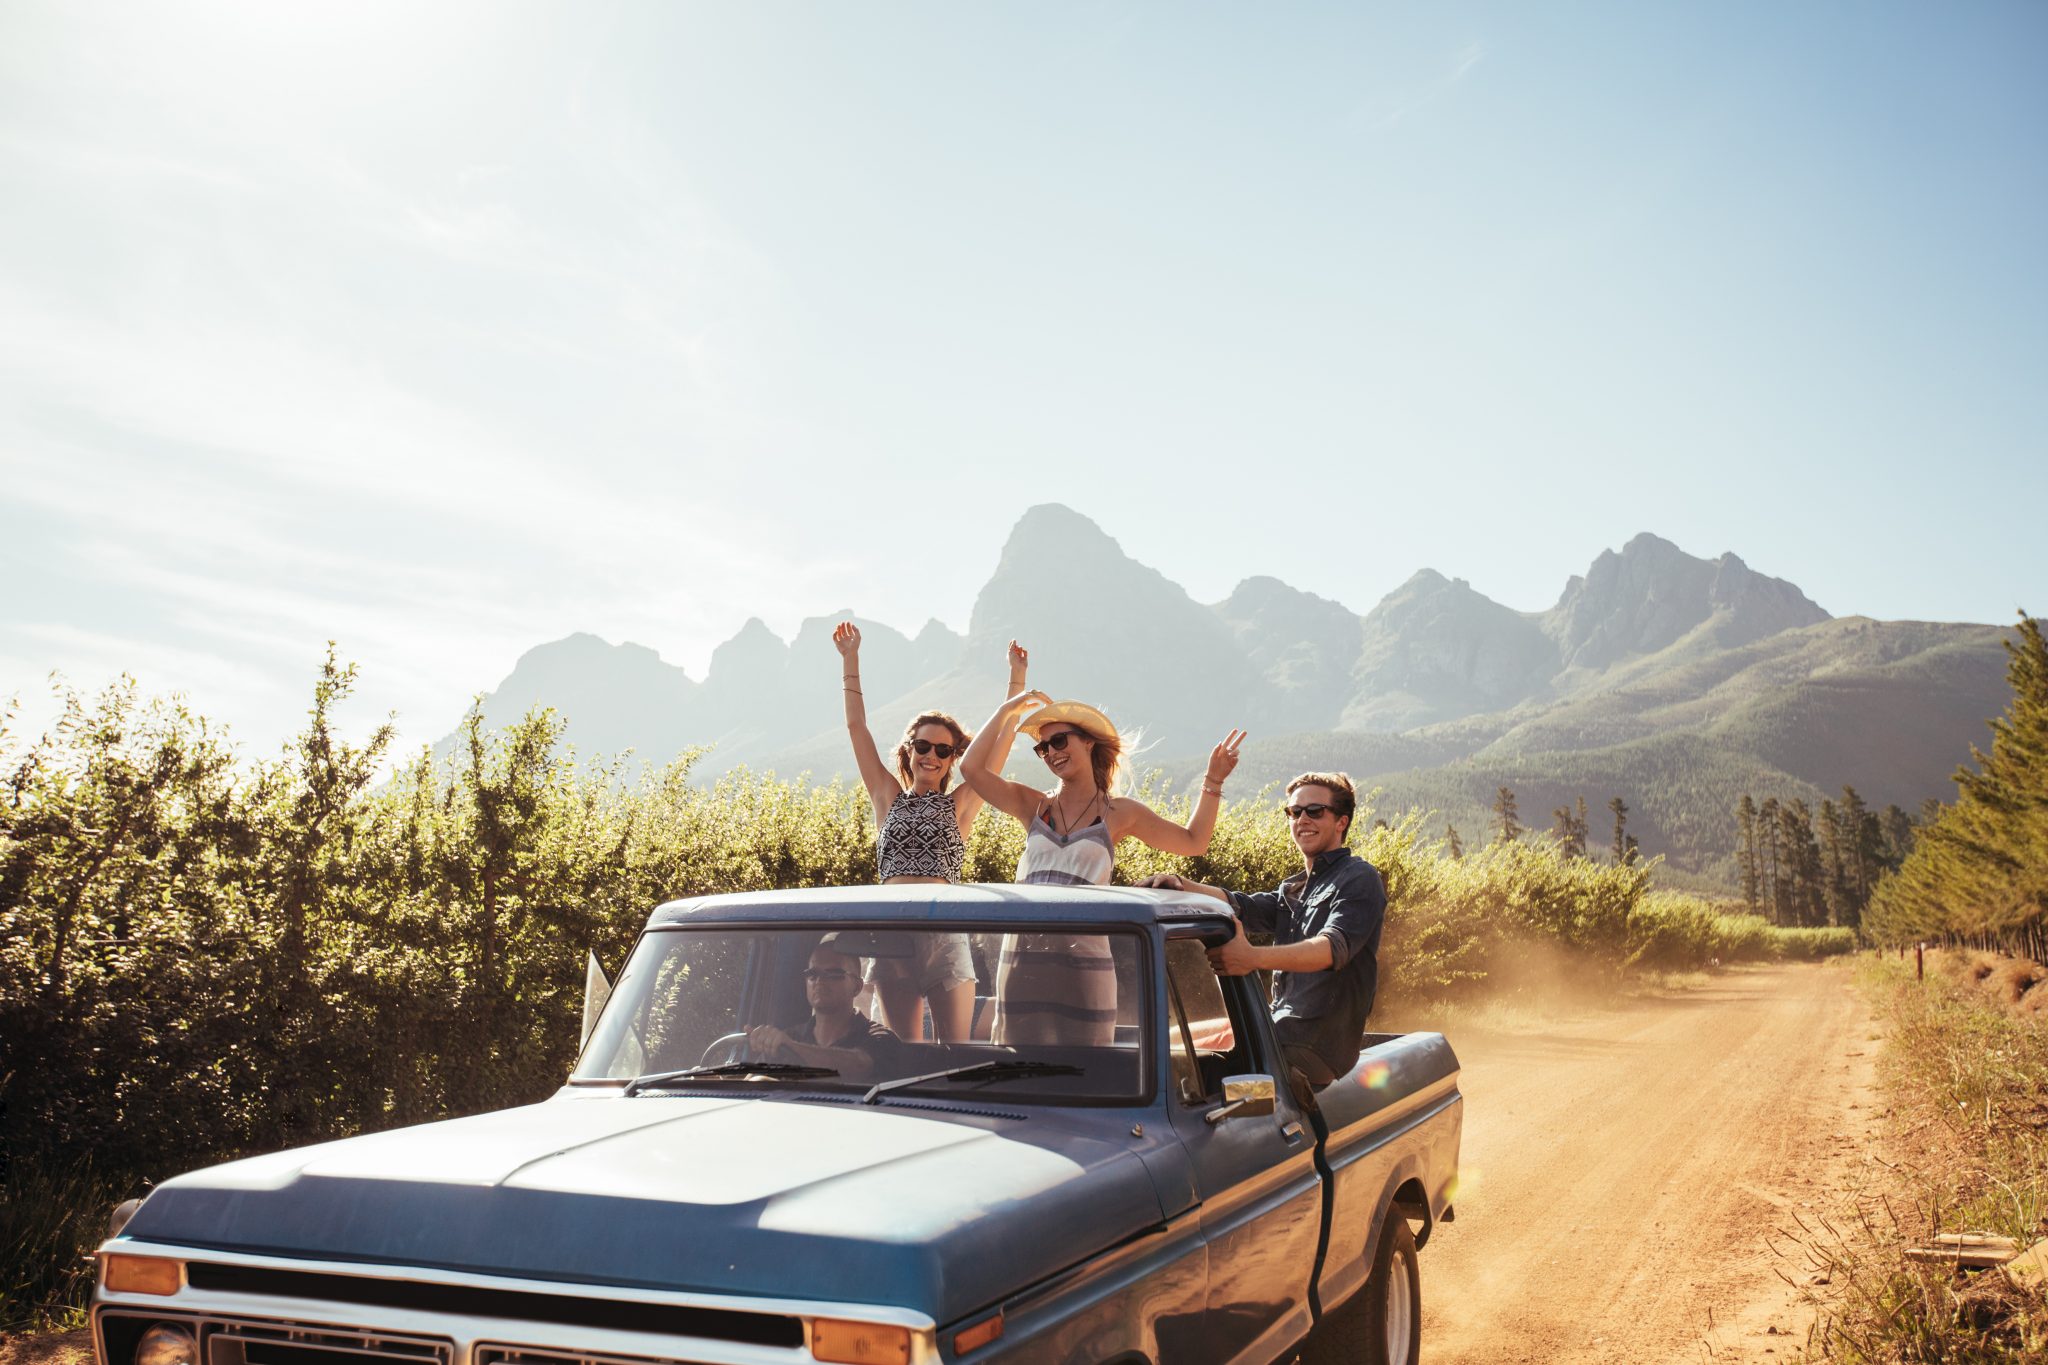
(1223, 758)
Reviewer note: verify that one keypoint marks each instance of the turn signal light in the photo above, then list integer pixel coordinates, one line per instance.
(975, 1337)
(139, 1275)
(859, 1343)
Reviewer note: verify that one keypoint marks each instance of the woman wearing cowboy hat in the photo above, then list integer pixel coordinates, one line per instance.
(1058, 988)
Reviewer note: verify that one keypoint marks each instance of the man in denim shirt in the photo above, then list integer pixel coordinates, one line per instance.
(1325, 921)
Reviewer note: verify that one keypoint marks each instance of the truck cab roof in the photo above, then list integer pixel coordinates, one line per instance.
(915, 903)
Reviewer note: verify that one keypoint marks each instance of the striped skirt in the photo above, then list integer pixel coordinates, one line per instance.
(1055, 989)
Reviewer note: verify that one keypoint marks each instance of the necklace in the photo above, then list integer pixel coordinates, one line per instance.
(1063, 826)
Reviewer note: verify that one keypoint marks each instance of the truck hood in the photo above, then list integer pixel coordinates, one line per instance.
(942, 1213)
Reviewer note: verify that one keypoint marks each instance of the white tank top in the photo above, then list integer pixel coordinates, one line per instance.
(1083, 858)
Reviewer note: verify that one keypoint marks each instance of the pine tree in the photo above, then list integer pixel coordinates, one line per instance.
(1571, 833)
(1507, 828)
(1452, 843)
(1836, 877)
(1621, 844)
(1981, 865)
(1860, 850)
(1804, 903)
(1768, 827)
(1746, 850)
(1898, 836)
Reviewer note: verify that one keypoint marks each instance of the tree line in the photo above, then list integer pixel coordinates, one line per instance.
(1799, 868)
(1571, 832)
(1978, 870)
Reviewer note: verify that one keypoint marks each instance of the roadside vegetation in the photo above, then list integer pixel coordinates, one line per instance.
(204, 955)
(1965, 1069)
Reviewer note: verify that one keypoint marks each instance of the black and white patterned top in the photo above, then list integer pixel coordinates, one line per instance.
(921, 838)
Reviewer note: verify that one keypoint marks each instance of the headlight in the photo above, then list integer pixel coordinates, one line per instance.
(167, 1344)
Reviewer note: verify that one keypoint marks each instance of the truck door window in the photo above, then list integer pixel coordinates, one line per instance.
(1202, 1035)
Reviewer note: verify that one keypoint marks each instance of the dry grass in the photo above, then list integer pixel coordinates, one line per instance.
(46, 1348)
(1967, 1075)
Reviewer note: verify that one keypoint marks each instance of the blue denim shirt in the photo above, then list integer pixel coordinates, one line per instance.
(1343, 900)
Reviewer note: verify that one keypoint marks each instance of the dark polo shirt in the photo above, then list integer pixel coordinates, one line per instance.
(866, 1036)
(1343, 900)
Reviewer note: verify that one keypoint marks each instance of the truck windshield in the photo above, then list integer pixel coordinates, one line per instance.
(865, 1010)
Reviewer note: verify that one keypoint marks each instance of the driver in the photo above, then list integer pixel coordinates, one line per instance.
(836, 1035)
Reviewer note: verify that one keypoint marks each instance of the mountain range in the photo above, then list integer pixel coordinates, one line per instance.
(1674, 682)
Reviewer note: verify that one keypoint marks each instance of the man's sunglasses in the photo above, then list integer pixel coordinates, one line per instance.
(1314, 812)
(1058, 741)
(925, 746)
(824, 973)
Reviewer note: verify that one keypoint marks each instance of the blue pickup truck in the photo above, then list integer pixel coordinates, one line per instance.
(707, 1189)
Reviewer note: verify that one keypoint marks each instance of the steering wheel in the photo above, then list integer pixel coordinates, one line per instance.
(724, 1051)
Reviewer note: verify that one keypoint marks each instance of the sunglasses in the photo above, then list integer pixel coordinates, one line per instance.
(926, 746)
(1058, 741)
(1313, 812)
(824, 973)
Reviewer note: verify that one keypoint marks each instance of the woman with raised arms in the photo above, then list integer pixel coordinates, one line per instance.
(921, 826)
(1059, 988)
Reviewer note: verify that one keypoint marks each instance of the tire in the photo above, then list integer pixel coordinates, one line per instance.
(1393, 1298)
(1382, 1323)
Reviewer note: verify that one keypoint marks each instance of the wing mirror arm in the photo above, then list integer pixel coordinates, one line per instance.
(1243, 1097)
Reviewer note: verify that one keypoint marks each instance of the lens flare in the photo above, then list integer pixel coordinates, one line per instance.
(1375, 1076)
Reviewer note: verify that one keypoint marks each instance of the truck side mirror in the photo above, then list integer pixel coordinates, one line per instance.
(596, 990)
(1244, 1097)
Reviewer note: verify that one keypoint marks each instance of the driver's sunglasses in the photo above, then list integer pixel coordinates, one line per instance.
(824, 973)
(1313, 812)
(926, 746)
(1058, 741)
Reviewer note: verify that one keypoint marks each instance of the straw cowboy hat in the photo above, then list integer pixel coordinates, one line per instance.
(1078, 714)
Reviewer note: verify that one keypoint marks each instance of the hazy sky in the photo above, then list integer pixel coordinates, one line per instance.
(443, 330)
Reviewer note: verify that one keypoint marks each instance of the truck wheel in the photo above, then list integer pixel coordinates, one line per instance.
(1381, 1323)
(1393, 1299)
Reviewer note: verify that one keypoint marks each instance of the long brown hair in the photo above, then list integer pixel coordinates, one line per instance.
(960, 740)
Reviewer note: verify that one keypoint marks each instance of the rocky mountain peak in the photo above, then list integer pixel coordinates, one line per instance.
(755, 651)
(1435, 648)
(1653, 594)
(1302, 645)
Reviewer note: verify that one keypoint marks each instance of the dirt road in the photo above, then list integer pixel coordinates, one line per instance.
(1622, 1167)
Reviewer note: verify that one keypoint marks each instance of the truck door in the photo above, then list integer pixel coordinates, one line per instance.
(1255, 1173)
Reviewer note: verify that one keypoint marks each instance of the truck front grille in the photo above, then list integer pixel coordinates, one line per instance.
(529, 1355)
(249, 1343)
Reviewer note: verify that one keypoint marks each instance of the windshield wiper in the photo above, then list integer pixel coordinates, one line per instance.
(780, 1071)
(979, 1071)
